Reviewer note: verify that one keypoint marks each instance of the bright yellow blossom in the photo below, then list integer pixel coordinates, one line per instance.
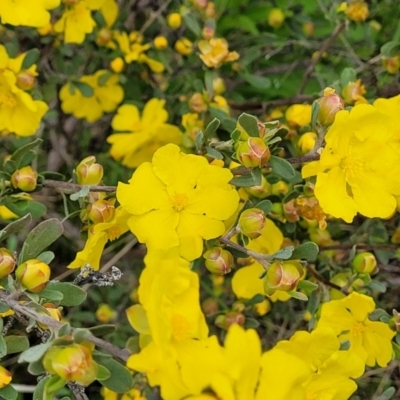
(26, 12)
(359, 169)
(5, 377)
(77, 21)
(391, 108)
(214, 52)
(177, 201)
(298, 115)
(138, 136)
(348, 317)
(105, 96)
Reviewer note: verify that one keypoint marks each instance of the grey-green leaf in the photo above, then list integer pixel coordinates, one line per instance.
(282, 167)
(212, 127)
(72, 295)
(249, 124)
(307, 250)
(16, 343)
(8, 393)
(120, 380)
(264, 205)
(34, 353)
(15, 226)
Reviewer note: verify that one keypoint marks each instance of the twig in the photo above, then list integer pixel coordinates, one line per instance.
(363, 246)
(324, 281)
(69, 187)
(339, 28)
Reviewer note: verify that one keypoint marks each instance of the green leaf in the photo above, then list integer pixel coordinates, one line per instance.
(235, 135)
(27, 159)
(81, 334)
(103, 373)
(307, 250)
(192, 23)
(251, 323)
(345, 345)
(36, 368)
(10, 166)
(52, 295)
(265, 205)
(72, 295)
(39, 391)
(212, 127)
(4, 306)
(15, 227)
(8, 393)
(259, 82)
(347, 75)
(249, 124)
(23, 207)
(65, 330)
(378, 286)
(3, 347)
(314, 114)
(258, 298)
(103, 78)
(120, 380)
(243, 180)
(103, 330)
(31, 57)
(387, 394)
(84, 88)
(18, 154)
(298, 296)
(82, 193)
(390, 49)
(282, 167)
(52, 386)
(34, 353)
(40, 237)
(199, 140)
(283, 254)
(47, 257)
(307, 286)
(16, 343)
(256, 174)
(214, 153)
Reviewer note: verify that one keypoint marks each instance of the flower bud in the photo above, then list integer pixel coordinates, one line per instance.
(238, 306)
(33, 275)
(24, 179)
(276, 18)
(160, 42)
(104, 37)
(72, 363)
(329, 105)
(7, 262)
(261, 191)
(5, 377)
(364, 262)
(280, 187)
(208, 32)
(88, 172)
(283, 276)
(353, 92)
(105, 313)
(218, 261)
(100, 211)
(357, 11)
(392, 64)
(290, 211)
(197, 103)
(251, 222)
(394, 322)
(53, 310)
(262, 308)
(230, 318)
(218, 85)
(184, 46)
(26, 80)
(174, 20)
(117, 65)
(307, 142)
(277, 211)
(308, 28)
(253, 153)
(210, 306)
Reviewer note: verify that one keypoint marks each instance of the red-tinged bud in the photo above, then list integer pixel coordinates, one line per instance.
(364, 262)
(7, 262)
(392, 64)
(210, 306)
(53, 310)
(253, 153)
(73, 363)
(329, 105)
(24, 179)
(88, 172)
(276, 18)
(394, 322)
(100, 211)
(290, 211)
(251, 222)
(208, 32)
(353, 92)
(197, 103)
(283, 276)
(5, 377)
(230, 318)
(261, 191)
(26, 80)
(218, 260)
(33, 275)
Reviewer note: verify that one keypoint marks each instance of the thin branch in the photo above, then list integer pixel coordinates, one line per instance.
(115, 351)
(324, 281)
(69, 187)
(361, 246)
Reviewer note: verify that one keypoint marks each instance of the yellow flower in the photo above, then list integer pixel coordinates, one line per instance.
(26, 12)
(357, 11)
(391, 108)
(76, 21)
(359, 169)
(177, 201)
(141, 136)
(298, 115)
(183, 46)
(215, 52)
(104, 96)
(348, 317)
(105, 313)
(19, 113)
(5, 377)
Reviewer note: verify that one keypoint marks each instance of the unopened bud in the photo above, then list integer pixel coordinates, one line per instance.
(197, 103)
(238, 306)
(88, 172)
(218, 261)
(394, 322)
(392, 64)
(7, 262)
(160, 42)
(329, 105)
(353, 91)
(105, 313)
(218, 85)
(33, 275)
(174, 20)
(184, 46)
(208, 32)
(261, 191)
(117, 65)
(24, 179)
(251, 222)
(100, 211)
(283, 276)
(280, 187)
(307, 142)
(253, 152)
(276, 18)
(104, 37)
(53, 310)
(210, 306)
(26, 80)
(364, 262)
(229, 319)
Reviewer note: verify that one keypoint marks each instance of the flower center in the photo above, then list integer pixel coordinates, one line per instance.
(352, 167)
(136, 126)
(179, 201)
(7, 100)
(114, 232)
(180, 327)
(358, 329)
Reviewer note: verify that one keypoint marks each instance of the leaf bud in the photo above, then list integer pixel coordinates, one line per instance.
(253, 152)
(33, 275)
(218, 261)
(7, 262)
(160, 42)
(174, 20)
(261, 191)
(230, 318)
(88, 172)
(24, 179)
(364, 262)
(283, 276)
(100, 211)
(251, 222)
(53, 310)
(5, 377)
(329, 105)
(276, 18)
